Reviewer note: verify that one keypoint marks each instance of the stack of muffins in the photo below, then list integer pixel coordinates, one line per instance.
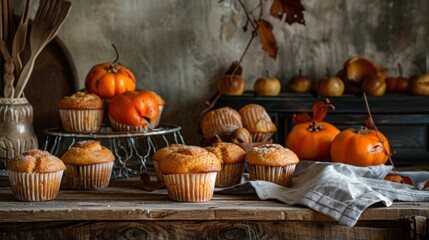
(36, 175)
(249, 126)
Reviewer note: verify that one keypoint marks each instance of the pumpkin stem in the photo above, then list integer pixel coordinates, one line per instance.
(361, 130)
(328, 73)
(400, 69)
(117, 54)
(313, 127)
(420, 67)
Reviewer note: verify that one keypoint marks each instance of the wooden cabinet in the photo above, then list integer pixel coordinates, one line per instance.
(404, 119)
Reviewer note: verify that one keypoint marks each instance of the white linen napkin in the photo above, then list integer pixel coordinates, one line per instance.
(337, 190)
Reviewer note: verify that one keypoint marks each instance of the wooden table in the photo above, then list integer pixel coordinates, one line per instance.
(125, 211)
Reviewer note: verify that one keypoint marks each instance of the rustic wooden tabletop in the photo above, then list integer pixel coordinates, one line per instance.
(124, 206)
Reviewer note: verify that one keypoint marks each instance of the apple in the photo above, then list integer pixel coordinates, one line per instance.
(299, 84)
(330, 87)
(231, 85)
(374, 86)
(397, 84)
(419, 85)
(267, 86)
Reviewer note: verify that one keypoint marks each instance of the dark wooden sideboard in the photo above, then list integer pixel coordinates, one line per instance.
(404, 119)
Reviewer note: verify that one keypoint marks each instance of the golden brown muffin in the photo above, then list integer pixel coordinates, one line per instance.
(35, 176)
(189, 159)
(232, 159)
(87, 153)
(221, 121)
(256, 119)
(271, 155)
(81, 100)
(35, 161)
(228, 153)
(164, 152)
(271, 162)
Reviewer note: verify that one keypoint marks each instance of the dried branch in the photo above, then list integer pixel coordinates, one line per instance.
(372, 124)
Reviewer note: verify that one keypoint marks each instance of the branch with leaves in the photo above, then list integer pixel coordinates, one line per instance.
(291, 11)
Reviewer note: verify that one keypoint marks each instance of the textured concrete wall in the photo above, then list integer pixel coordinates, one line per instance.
(179, 48)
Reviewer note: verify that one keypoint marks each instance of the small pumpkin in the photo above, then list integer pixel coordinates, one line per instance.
(134, 108)
(310, 138)
(110, 79)
(360, 147)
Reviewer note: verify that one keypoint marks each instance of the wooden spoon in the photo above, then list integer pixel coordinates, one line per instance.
(18, 43)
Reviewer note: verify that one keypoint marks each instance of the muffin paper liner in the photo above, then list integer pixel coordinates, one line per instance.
(230, 175)
(118, 127)
(261, 137)
(279, 175)
(155, 123)
(86, 121)
(88, 177)
(158, 173)
(35, 187)
(221, 123)
(190, 187)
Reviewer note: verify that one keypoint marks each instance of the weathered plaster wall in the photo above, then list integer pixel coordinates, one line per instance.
(180, 48)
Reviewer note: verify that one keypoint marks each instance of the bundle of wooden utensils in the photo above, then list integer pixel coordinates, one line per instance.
(49, 17)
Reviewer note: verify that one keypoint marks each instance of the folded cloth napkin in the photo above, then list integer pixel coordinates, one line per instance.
(338, 190)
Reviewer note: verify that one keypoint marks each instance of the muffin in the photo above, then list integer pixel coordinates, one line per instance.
(35, 175)
(81, 112)
(161, 154)
(232, 160)
(271, 162)
(89, 165)
(133, 111)
(258, 122)
(190, 174)
(220, 122)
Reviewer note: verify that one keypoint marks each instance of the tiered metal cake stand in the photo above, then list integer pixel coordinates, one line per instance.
(131, 149)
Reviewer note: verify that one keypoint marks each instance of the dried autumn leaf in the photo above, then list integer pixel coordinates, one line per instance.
(266, 37)
(292, 8)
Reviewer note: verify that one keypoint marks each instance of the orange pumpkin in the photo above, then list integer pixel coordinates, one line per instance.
(110, 79)
(360, 147)
(134, 108)
(311, 138)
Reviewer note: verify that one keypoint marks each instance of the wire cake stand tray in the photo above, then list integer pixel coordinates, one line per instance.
(132, 150)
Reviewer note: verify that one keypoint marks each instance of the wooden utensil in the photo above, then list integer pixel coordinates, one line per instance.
(49, 18)
(18, 43)
(9, 78)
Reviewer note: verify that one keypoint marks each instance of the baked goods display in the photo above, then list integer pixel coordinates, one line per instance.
(89, 165)
(35, 175)
(190, 174)
(271, 162)
(81, 112)
(232, 159)
(256, 119)
(133, 111)
(220, 122)
(160, 155)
